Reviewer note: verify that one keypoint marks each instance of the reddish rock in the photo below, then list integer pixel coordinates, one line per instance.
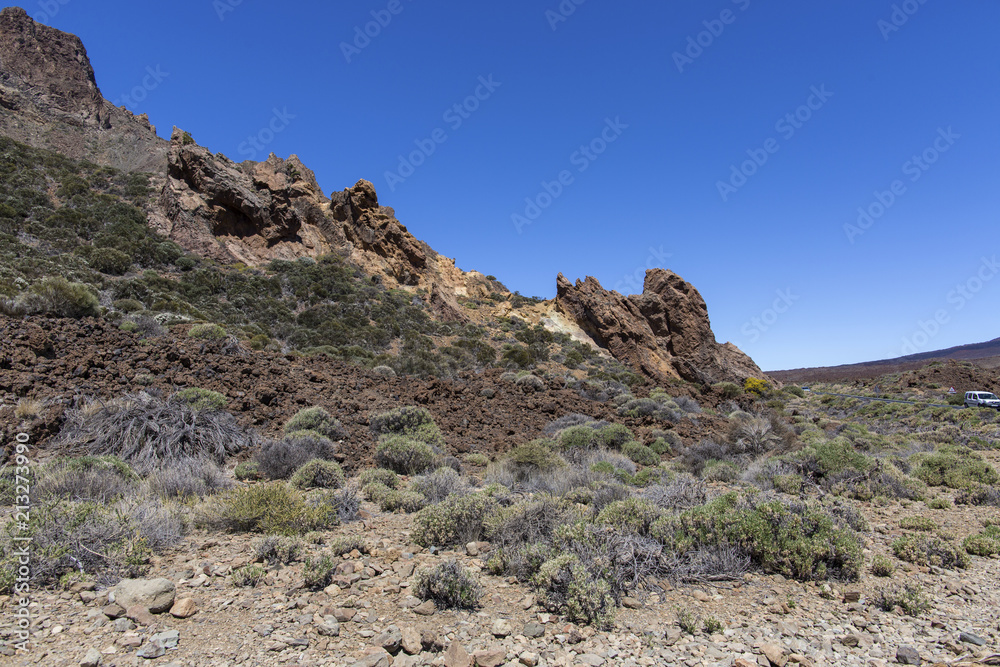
(663, 333)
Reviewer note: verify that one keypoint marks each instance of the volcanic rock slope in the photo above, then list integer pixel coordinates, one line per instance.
(255, 212)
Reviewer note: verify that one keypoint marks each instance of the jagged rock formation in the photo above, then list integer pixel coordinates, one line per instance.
(663, 333)
(251, 212)
(49, 99)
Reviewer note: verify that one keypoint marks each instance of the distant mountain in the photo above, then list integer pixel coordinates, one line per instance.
(986, 355)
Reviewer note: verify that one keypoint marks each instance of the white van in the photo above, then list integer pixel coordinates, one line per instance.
(981, 399)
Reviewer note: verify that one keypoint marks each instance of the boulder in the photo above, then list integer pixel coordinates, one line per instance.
(156, 595)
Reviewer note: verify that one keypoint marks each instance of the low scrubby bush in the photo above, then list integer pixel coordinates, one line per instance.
(918, 523)
(207, 332)
(54, 296)
(248, 576)
(148, 433)
(640, 453)
(882, 566)
(929, 550)
(449, 585)
(274, 507)
(277, 549)
(567, 587)
(456, 520)
(200, 399)
(909, 599)
(190, 478)
(954, 467)
(985, 543)
(411, 421)
(318, 572)
(404, 455)
(788, 538)
(380, 475)
(99, 479)
(316, 419)
(279, 459)
(318, 474)
(438, 485)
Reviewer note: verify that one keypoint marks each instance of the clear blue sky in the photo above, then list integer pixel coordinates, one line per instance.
(881, 93)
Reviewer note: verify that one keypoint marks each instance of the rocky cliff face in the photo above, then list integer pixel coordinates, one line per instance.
(663, 333)
(49, 99)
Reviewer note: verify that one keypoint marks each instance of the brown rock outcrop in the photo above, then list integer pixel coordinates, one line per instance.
(663, 333)
(251, 212)
(49, 99)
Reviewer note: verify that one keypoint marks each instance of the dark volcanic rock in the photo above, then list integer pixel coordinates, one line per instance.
(663, 332)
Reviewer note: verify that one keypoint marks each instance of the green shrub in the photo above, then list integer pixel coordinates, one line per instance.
(128, 326)
(476, 459)
(57, 297)
(248, 576)
(929, 550)
(910, 600)
(348, 544)
(567, 587)
(729, 390)
(531, 458)
(577, 437)
(201, 399)
(411, 421)
(110, 261)
(247, 470)
(265, 508)
(939, 503)
(207, 332)
(986, 543)
(720, 471)
(917, 523)
(318, 572)
(613, 436)
(954, 467)
(380, 475)
(882, 566)
(455, 521)
(404, 455)
(790, 484)
(318, 474)
(449, 585)
(407, 502)
(633, 514)
(640, 453)
(792, 539)
(661, 447)
(316, 419)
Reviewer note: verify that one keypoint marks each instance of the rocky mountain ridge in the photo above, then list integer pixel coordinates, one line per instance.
(256, 212)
